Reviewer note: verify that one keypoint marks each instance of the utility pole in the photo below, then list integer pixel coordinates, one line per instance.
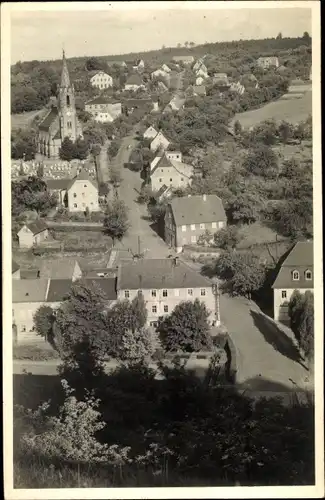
(215, 288)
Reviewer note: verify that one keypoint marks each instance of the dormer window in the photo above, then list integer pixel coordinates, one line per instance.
(295, 275)
(308, 275)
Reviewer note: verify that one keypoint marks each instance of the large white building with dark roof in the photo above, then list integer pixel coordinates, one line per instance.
(187, 218)
(164, 283)
(295, 273)
(103, 109)
(61, 121)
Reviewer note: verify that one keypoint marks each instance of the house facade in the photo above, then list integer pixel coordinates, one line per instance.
(159, 73)
(171, 173)
(101, 80)
(103, 109)
(188, 218)
(32, 234)
(82, 193)
(268, 62)
(160, 141)
(164, 283)
(296, 273)
(237, 87)
(186, 60)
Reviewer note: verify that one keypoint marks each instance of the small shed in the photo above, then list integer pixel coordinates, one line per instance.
(33, 233)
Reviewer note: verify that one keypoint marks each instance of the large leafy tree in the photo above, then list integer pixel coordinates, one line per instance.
(301, 314)
(44, 319)
(116, 221)
(227, 237)
(31, 194)
(242, 273)
(23, 144)
(67, 150)
(261, 160)
(186, 328)
(81, 149)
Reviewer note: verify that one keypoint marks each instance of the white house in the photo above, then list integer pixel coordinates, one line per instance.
(170, 172)
(202, 72)
(82, 194)
(150, 133)
(33, 233)
(160, 141)
(103, 109)
(268, 62)
(199, 80)
(101, 80)
(296, 273)
(159, 73)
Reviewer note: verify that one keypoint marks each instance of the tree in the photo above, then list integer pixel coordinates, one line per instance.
(80, 323)
(265, 132)
(279, 36)
(244, 207)
(186, 328)
(44, 319)
(301, 314)
(261, 160)
(237, 127)
(81, 149)
(67, 150)
(31, 194)
(116, 221)
(285, 131)
(139, 312)
(113, 148)
(23, 144)
(137, 346)
(242, 272)
(115, 175)
(227, 238)
(205, 238)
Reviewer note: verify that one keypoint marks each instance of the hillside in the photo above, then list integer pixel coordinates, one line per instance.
(33, 82)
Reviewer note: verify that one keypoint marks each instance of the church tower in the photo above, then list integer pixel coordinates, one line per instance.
(69, 126)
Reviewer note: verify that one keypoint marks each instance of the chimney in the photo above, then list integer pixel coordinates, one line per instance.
(38, 273)
(204, 197)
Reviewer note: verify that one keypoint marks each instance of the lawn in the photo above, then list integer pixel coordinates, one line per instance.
(292, 110)
(23, 120)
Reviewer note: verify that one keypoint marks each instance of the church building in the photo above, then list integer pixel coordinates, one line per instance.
(61, 121)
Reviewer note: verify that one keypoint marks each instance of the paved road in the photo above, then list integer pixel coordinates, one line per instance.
(150, 243)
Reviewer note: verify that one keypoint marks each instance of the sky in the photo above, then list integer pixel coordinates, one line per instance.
(42, 34)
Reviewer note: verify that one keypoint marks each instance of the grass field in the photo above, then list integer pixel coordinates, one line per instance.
(23, 120)
(292, 110)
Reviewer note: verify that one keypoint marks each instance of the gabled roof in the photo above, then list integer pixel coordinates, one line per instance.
(101, 100)
(134, 103)
(14, 266)
(58, 269)
(197, 209)
(94, 73)
(107, 285)
(157, 274)
(58, 184)
(183, 58)
(33, 290)
(82, 176)
(49, 119)
(199, 89)
(36, 227)
(58, 289)
(134, 80)
(180, 167)
(301, 259)
(177, 102)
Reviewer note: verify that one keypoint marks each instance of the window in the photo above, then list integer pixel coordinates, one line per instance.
(165, 309)
(75, 195)
(308, 275)
(193, 239)
(165, 293)
(68, 100)
(190, 292)
(182, 178)
(170, 180)
(177, 156)
(69, 125)
(161, 170)
(126, 294)
(221, 224)
(183, 229)
(176, 292)
(160, 180)
(153, 293)
(214, 225)
(83, 195)
(153, 323)
(75, 205)
(154, 309)
(192, 227)
(284, 294)
(202, 226)
(203, 292)
(295, 275)
(85, 185)
(23, 328)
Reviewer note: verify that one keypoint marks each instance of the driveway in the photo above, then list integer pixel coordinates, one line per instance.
(140, 233)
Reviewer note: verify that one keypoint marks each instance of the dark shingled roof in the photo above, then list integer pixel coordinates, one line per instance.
(299, 259)
(58, 269)
(157, 274)
(49, 119)
(58, 289)
(134, 80)
(107, 285)
(33, 290)
(102, 100)
(37, 227)
(14, 266)
(58, 184)
(194, 210)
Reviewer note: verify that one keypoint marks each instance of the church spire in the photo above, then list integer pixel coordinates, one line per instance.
(65, 79)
